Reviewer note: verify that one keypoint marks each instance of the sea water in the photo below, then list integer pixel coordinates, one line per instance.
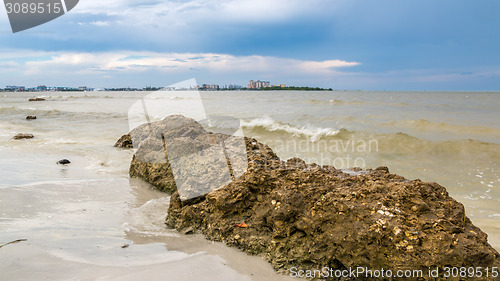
(90, 218)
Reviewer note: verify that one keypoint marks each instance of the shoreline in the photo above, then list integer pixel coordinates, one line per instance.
(61, 132)
(281, 210)
(275, 90)
(131, 213)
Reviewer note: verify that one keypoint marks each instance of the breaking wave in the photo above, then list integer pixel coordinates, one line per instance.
(270, 125)
(397, 143)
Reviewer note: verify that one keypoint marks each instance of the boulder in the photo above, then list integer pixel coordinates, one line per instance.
(150, 161)
(311, 217)
(306, 216)
(30, 117)
(36, 99)
(23, 136)
(184, 137)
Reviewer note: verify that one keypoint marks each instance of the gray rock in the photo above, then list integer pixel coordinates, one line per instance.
(63, 162)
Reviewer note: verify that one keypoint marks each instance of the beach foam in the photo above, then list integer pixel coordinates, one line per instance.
(271, 125)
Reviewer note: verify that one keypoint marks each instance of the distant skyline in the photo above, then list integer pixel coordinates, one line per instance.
(341, 44)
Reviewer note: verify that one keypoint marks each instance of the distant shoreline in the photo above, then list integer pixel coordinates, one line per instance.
(291, 88)
(250, 90)
(152, 89)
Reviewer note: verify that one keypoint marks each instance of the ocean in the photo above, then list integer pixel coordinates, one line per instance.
(87, 220)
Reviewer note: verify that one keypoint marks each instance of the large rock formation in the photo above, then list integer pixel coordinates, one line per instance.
(150, 161)
(309, 217)
(191, 146)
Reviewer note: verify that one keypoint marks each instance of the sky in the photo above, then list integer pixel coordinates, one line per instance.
(396, 45)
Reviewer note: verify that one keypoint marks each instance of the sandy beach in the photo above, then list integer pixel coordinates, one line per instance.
(89, 221)
(78, 232)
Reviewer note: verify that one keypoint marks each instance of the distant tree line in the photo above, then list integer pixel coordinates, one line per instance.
(293, 88)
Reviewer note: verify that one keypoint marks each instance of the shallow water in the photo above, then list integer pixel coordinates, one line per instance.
(76, 230)
(77, 217)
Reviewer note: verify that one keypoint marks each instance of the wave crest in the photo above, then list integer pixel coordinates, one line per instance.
(271, 125)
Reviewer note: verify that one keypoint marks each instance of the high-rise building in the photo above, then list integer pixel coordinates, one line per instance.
(258, 84)
(210, 87)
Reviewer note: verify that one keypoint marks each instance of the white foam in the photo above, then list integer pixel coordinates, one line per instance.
(313, 133)
(59, 141)
(27, 108)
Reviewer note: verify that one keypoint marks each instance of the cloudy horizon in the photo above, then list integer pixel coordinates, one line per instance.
(352, 45)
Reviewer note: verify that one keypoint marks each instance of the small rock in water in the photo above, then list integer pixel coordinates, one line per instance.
(30, 117)
(23, 136)
(36, 99)
(125, 142)
(63, 162)
(125, 246)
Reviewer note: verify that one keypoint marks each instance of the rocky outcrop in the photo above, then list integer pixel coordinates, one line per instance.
(124, 142)
(21, 136)
(158, 174)
(36, 99)
(309, 217)
(184, 138)
(150, 161)
(30, 117)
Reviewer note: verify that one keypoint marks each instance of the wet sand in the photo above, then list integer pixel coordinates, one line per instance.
(30, 262)
(77, 230)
